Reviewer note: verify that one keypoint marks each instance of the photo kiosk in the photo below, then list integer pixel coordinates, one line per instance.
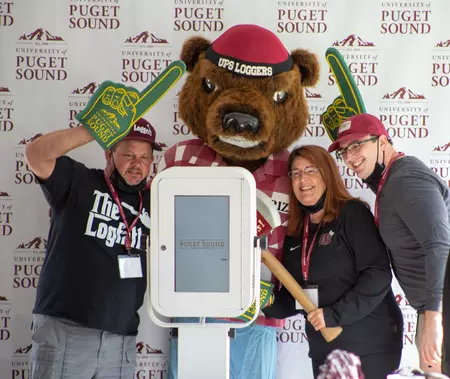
(204, 260)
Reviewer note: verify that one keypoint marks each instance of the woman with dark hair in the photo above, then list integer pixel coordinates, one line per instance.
(334, 251)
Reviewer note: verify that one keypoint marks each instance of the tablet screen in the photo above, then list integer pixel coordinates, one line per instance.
(202, 243)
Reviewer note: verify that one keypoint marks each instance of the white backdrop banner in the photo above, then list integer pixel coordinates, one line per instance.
(54, 54)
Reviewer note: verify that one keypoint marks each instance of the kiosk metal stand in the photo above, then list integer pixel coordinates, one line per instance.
(204, 261)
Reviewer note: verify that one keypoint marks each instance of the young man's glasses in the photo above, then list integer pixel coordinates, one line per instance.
(354, 147)
(310, 170)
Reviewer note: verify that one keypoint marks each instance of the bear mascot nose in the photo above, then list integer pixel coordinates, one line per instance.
(240, 122)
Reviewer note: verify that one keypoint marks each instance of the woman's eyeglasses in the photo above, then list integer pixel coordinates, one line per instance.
(310, 170)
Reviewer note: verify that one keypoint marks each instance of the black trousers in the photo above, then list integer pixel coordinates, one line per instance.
(374, 366)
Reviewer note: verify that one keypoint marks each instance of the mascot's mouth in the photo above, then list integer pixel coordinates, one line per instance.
(241, 142)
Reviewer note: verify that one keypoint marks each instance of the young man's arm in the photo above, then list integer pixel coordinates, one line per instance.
(41, 154)
(421, 206)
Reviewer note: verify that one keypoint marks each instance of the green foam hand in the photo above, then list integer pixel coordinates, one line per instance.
(114, 108)
(265, 299)
(348, 103)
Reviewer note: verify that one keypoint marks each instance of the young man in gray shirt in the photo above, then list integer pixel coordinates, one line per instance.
(412, 210)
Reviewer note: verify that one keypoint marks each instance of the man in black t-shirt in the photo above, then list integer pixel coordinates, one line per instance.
(93, 279)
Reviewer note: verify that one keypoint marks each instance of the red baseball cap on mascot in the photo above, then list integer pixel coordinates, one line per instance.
(357, 127)
(142, 130)
(250, 50)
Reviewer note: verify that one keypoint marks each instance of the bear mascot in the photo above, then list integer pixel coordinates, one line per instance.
(244, 100)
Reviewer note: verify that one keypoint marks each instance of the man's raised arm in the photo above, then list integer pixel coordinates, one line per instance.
(41, 154)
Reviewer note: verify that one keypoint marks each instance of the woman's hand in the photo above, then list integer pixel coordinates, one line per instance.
(316, 319)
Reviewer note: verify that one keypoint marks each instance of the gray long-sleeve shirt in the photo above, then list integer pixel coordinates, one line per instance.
(414, 224)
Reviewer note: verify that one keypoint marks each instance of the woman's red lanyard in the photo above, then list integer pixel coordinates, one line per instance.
(306, 258)
(381, 185)
(122, 214)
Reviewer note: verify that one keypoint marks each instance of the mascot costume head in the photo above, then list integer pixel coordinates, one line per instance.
(244, 93)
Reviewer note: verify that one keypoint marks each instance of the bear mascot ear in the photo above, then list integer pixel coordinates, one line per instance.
(191, 50)
(308, 65)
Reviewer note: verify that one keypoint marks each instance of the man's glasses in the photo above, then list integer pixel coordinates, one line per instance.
(354, 147)
(310, 170)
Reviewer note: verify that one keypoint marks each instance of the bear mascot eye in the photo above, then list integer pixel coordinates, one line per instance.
(208, 85)
(280, 96)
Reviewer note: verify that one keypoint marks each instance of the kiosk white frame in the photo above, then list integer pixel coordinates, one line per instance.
(203, 348)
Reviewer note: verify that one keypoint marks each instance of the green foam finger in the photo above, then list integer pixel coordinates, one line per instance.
(158, 88)
(349, 102)
(114, 108)
(344, 80)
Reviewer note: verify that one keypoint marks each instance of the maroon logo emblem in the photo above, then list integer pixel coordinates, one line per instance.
(35, 243)
(24, 141)
(4, 89)
(443, 43)
(23, 350)
(403, 94)
(147, 38)
(325, 238)
(39, 35)
(442, 147)
(312, 95)
(354, 41)
(87, 90)
(144, 348)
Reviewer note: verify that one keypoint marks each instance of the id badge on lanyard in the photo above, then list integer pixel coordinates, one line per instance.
(129, 264)
(313, 294)
(311, 290)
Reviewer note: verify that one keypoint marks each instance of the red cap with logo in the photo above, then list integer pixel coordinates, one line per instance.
(250, 50)
(357, 127)
(142, 130)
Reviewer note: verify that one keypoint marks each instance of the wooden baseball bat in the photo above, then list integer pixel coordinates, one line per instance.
(286, 279)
